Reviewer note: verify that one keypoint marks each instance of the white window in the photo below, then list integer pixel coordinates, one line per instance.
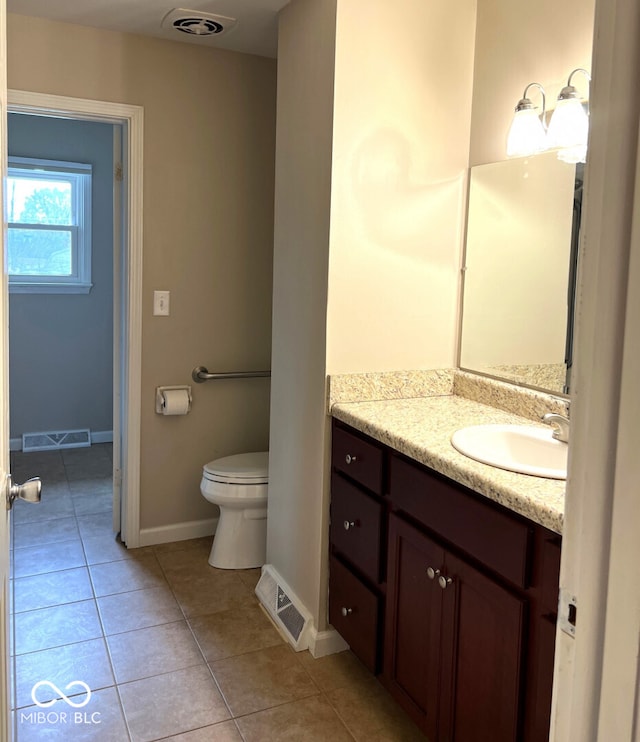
(49, 220)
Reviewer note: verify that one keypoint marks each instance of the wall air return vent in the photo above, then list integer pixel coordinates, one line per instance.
(55, 440)
(196, 23)
(284, 607)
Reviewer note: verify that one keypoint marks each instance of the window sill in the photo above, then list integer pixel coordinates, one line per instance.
(50, 288)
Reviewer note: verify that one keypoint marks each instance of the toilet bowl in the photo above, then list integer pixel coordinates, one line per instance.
(238, 486)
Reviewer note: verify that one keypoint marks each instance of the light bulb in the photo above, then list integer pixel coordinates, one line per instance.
(569, 125)
(526, 134)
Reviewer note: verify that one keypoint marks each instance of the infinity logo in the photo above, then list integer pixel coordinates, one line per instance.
(55, 689)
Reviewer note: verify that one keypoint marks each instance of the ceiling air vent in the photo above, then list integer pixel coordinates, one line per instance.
(197, 23)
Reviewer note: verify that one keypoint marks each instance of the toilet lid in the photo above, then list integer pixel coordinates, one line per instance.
(242, 468)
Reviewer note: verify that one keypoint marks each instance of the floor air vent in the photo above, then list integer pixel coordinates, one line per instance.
(56, 440)
(284, 607)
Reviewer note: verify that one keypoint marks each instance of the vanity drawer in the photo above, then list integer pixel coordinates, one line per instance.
(354, 611)
(357, 458)
(356, 527)
(482, 530)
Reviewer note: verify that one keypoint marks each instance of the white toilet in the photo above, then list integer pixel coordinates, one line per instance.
(238, 485)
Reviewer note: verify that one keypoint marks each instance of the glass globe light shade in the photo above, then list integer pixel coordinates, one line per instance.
(573, 155)
(526, 134)
(569, 126)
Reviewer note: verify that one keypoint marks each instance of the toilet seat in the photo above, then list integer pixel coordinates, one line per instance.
(242, 468)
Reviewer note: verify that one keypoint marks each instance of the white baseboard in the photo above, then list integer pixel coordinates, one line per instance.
(178, 532)
(322, 643)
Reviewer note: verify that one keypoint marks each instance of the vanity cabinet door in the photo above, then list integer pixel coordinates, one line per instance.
(482, 637)
(413, 616)
(453, 642)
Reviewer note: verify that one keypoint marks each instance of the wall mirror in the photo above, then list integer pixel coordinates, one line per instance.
(519, 279)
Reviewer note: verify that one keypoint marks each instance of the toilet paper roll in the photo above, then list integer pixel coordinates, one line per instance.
(175, 402)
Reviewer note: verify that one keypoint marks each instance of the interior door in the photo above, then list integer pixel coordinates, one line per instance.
(5, 706)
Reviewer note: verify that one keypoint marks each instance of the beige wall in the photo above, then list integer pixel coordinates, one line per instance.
(400, 154)
(369, 206)
(402, 127)
(208, 216)
(297, 525)
(518, 42)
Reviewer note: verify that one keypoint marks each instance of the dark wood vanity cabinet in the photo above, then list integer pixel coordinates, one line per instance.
(446, 595)
(357, 536)
(454, 642)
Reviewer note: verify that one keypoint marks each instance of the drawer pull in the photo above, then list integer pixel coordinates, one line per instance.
(432, 573)
(444, 582)
(349, 524)
(350, 459)
(346, 611)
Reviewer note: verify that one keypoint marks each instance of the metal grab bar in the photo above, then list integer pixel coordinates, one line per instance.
(200, 374)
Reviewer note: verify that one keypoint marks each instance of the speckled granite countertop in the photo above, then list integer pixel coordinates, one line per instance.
(421, 428)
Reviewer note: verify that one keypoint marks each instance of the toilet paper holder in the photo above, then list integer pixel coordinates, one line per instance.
(160, 396)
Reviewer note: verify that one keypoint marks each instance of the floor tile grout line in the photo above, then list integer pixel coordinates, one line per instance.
(195, 638)
(97, 609)
(51, 543)
(326, 697)
(208, 663)
(71, 695)
(54, 605)
(339, 715)
(320, 693)
(143, 628)
(200, 649)
(104, 640)
(60, 646)
(159, 674)
(124, 592)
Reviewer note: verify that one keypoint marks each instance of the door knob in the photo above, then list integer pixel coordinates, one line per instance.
(30, 491)
(432, 573)
(444, 582)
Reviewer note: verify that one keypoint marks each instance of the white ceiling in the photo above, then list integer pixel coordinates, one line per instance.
(255, 33)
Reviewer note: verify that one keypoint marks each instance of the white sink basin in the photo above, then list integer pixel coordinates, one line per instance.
(520, 448)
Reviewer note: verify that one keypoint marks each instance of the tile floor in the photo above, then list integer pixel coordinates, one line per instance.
(170, 647)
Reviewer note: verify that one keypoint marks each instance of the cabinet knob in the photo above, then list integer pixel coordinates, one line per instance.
(349, 524)
(347, 611)
(432, 573)
(444, 582)
(350, 459)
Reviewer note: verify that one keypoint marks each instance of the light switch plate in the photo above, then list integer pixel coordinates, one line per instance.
(161, 303)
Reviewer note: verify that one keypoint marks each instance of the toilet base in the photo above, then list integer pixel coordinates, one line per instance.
(240, 541)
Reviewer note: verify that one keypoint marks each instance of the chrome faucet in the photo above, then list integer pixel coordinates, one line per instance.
(561, 425)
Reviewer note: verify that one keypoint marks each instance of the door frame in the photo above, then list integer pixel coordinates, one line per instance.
(597, 673)
(127, 290)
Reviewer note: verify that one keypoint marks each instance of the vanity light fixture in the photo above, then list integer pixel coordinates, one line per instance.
(527, 134)
(569, 125)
